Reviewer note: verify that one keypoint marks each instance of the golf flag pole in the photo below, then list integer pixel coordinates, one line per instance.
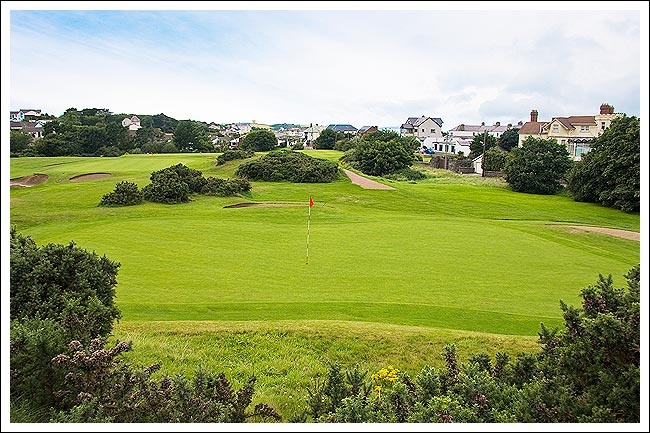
(311, 203)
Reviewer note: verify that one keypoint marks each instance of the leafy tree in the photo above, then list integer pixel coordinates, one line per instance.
(164, 122)
(125, 194)
(190, 136)
(537, 167)
(476, 145)
(259, 140)
(19, 141)
(326, 139)
(509, 139)
(495, 159)
(378, 158)
(610, 173)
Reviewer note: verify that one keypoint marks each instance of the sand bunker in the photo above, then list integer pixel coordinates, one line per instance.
(88, 176)
(27, 181)
(264, 205)
(625, 234)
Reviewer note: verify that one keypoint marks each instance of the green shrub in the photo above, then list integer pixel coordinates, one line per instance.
(406, 174)
(287, 165)
(225, 187)
(167, 188)
(230, 155)
(125, 194)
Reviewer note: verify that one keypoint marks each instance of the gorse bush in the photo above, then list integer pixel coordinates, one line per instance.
(100, 387)
(58, 293)
(287, 165)
(225, 187)
(230, 155)
(125, 194)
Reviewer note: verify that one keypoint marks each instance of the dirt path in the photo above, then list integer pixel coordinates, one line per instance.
(625, 234)
(364, 182)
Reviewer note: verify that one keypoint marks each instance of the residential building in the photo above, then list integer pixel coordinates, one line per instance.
(422, 127)
(238, 128)
(19, 116)
(469, 131)
(367, 130)
(132, 123)
(449, 145)
(312, 133)
(574, 132)
(345, 128)
(35, 129)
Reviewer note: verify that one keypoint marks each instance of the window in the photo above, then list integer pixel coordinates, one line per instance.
(584, 128)
(433, 130)
(446, 148)
(556, 128)
(422, 129)
(453, 149)
(572, 149)
(602, 125)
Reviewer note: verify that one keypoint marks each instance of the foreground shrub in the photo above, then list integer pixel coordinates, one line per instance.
(167, 187)
(100, 387)
(287, 165)
(230, 155)
(125, 194)
(408, 174)
(57, 293)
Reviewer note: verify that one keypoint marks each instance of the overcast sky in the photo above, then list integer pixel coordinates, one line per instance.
(364, 67)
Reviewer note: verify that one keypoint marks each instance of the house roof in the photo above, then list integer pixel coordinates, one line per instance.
(413, 122)
(342, 127)
(365, 128)
(532, 128)
(568, 122)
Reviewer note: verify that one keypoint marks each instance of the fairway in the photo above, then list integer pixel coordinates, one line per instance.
(449, 255)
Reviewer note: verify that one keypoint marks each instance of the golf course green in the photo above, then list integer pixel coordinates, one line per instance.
(390, 278)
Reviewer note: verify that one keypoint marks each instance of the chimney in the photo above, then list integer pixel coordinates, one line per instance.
(520, 123)
(497, 124)
(606, 109)
(482, 123)
(462, 127)
(533, 116)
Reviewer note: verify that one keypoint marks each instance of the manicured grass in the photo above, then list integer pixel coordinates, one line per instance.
(389, 271)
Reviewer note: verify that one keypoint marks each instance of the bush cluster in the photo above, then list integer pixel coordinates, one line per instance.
(125, 194)
(287, 165)
(173, 185)
(230, 155)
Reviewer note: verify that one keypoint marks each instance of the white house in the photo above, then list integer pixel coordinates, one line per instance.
(133, 124)
(446, 145)
(312, 133)
(470, 131)
(422, 127)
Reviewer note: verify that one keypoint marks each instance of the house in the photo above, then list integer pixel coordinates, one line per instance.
(422, 127)
(574, 132)
(449, 144)
(367, 130)
(312, 133)
(470, 131)
(133, 124)
(240, 129)
(16, 116)
(35, 129)
(344, 128)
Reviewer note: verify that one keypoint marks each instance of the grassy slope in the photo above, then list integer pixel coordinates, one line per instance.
(429, 262)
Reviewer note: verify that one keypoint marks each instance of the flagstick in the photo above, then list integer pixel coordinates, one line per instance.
(308, 221)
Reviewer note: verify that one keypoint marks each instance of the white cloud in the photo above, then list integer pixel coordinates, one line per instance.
(359, 67)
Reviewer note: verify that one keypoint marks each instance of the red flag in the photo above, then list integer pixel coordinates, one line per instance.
(311, 201)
